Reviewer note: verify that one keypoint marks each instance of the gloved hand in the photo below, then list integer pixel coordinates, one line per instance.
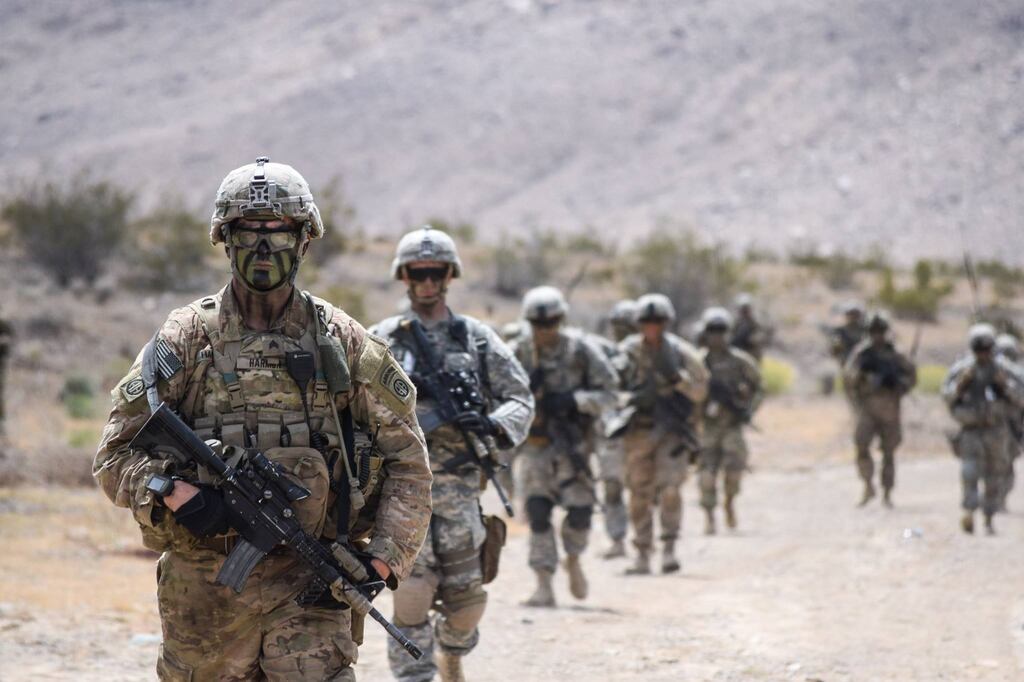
(474, 422)
(205, 515)
(560, 403)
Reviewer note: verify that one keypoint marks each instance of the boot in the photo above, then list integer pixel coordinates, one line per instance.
(869, 494)
(543, 596)
(887, 498)
(709, 521)
(642, 564)
(669, 563)
(730, 514)
(967, 522)
(989, 528)
(577, 581)
(449, 666)
(618, 549)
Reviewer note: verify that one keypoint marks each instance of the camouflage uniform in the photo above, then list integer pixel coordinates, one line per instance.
(877, 376)
(447, 573)
(1008, 348)
(735, 386)
(748, 333)
(980, 398)
(226, 381)
(657, 452)
(552, 473)
(6, 333)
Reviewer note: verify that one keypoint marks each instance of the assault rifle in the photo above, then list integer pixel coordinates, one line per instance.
(259, 500)
(560, 422)
(455, 393)
(721, 393)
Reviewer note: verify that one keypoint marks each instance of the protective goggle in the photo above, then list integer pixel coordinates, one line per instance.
(982, 345)
(423, 274)
(716, 329)
(277, 240)
(647, 319)
(548, 323)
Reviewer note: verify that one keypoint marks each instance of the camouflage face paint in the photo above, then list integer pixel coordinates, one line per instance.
(262, 269)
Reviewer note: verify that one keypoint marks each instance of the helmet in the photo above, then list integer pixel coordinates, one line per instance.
(655, 307)
(744, 300)
(512, 330)
(852, 307)
(715, 317)
(981, 336)
(426, 243)
(878, 322)
(544, 303)
(265, 191)
(1007, 345)
(623, 312)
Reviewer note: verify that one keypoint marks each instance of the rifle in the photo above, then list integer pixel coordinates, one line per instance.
(258, 497)
(720, 392)
(559, 422)
(455, 393)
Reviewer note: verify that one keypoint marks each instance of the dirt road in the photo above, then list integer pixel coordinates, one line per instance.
(811, 588)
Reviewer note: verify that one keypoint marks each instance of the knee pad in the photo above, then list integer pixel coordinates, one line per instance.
(464, 608)
(538, 511)
(578, 518)
(413, 601)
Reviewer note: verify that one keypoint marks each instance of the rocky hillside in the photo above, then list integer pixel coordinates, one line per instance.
(765, 121)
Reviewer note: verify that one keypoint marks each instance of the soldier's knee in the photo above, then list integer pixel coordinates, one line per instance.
(538, 511)
(413, 600)
(578, 518)
(464, 607)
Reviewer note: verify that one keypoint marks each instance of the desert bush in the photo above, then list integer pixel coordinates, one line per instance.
(78, 396)
(170, 250)
(70, 230)
(918, 302)
(461, 231)
(350, 299)
(930, 378)
(677, 264)
(523, 263)
(777, 376)
(341, 228)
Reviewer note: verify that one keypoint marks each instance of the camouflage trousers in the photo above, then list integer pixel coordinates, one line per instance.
(550, 479)
(447, 579)
(655, 472)
(984, 458)
(724, 449)
(886, 428)
(611, 460)
(211, 633)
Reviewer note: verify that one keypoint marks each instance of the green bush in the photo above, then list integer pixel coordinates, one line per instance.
(349, 299)
(70, 230)
(777, 376)
(523, 263)
(930, 378)
(78, 396)
(918, 302)
(170, 250)
(341, 228)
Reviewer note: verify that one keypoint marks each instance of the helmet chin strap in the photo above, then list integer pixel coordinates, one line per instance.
(442, 294)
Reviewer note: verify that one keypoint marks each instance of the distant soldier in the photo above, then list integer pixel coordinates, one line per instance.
(982, 390)
(877, 377)
(733, 396)
(573, 383)
(844, 338)
(667, 381)
(1007, 347)
(448, 354)
(6, 336)
(610, 454)
(748, 333)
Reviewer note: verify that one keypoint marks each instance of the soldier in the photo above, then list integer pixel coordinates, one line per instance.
(223, 363)
(1007, 347)
(844, 338)
(6, 334)
(573, 384)
(734, 395)
(436, 346)
(610, 455)
(982, 390)
(748, 333)
(877, 376)
(667, 380)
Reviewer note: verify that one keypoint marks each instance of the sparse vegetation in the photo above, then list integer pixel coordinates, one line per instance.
(777, 376)
(521, 263)
(78, 396)
(930, 378)
(918, 302)
(463, 232)
(341, 229)
(170, 249)
(350, 299)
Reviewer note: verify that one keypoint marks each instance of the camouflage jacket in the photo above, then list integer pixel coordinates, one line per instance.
(983, 396)
(463, 344)
(749, 336)
(734, 388)
(878, 374)
(844, 339)
(674, 370)
(225, 381)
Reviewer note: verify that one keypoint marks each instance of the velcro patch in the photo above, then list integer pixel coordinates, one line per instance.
(167, 362)
(377, 367)
(133, 389)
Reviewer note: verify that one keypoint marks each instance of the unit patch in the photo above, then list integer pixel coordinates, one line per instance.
(133, 389)
(167, 363)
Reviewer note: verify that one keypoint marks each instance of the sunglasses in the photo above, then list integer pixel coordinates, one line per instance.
(423, 274)
(982, 346)
(716, 329)
(546, 324)
(277, 240)
(652, 320)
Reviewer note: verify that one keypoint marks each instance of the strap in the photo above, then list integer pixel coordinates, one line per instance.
(482, 346)
(149, 373)
(343, 502)
(226, 346)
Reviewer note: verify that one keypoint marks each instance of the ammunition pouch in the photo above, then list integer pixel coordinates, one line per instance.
(490, 551)
(306, 467)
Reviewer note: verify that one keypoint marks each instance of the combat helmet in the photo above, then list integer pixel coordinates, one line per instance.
(544, 303)
(716, 317)
(744, 300)
(878, 322)
(623, 312)
(265, 191)
(981, 336)
(426, 244)
(853, 307)
(655, 307)
(1008, 346)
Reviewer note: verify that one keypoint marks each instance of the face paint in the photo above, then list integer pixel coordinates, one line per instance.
(264, 259)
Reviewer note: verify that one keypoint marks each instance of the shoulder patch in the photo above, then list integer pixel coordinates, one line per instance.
(378, 368)
(131, 388)
(167, 362)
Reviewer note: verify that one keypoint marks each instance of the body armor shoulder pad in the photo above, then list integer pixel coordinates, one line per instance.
(376, 367)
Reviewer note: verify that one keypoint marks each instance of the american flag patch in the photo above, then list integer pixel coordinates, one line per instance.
(167, 363)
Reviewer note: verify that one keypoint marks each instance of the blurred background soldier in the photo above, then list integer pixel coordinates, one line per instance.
(748, 333)
(455, 361)
(734, 395)
(573, 384)
(610, 453)
(667, 381)
(1007, 347)
(982, 390)
(225, 364)
(6, 340)
(844, 338)
(877, 376)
